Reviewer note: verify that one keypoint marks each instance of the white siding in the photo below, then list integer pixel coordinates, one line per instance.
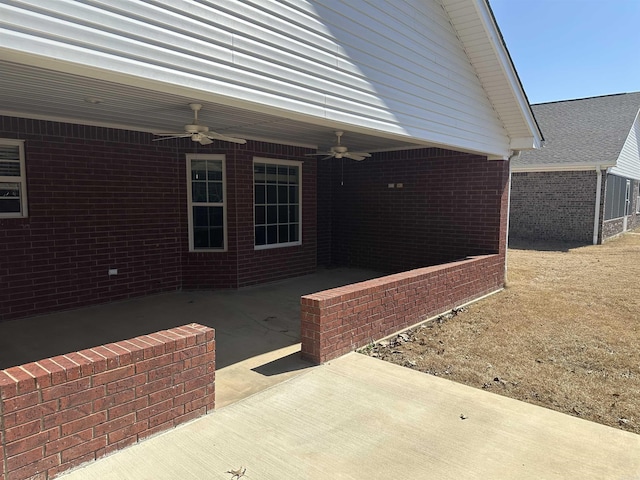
(393, 66)
(628, 164)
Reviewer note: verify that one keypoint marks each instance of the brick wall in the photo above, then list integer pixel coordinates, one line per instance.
(103, 198)
(337, 321)
(64, 411)
(553, 205)
(98, 199)
(449, 207)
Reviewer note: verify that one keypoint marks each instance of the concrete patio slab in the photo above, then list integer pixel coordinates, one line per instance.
(257, 328)
(249, 321)
(358, 417)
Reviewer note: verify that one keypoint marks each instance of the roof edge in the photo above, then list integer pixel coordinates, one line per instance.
(491, 26)
(573, 167)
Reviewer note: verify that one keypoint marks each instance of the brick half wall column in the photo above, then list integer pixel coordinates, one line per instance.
(61, 412)
(340, 320)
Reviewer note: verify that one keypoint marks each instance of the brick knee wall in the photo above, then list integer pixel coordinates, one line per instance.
(61, 412)
(337, 321)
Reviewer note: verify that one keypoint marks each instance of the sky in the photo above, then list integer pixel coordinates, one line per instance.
(565, 49)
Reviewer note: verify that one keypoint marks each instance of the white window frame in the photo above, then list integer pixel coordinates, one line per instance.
(291, 163)
(191, 203)
(21, 180)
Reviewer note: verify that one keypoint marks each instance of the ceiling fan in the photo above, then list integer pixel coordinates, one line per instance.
(341, 151)
(198, 133)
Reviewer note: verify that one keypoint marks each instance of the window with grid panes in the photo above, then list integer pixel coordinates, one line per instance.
(277, 217)
(13, 180)
(206, 174)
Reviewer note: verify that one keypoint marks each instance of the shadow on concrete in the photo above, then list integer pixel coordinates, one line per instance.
(289, 363)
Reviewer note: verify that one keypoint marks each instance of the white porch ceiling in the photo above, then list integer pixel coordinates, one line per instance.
(32, 92)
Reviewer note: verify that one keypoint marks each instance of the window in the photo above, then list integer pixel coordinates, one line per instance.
(207, 205)
(277, 185)
(13, 180)
(616, 199)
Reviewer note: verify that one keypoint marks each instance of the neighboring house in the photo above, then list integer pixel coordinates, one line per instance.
(582, 185)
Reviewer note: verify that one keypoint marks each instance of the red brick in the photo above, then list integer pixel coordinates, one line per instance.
(8, 385)
(24, 381)
(128, 432)
(20, 402)
(66, 389)
(41, 376)
(154, 410)
(24, 458)
(21, 431)
(189, 415)
(113, 375)
(74, 457)
(68, 441)
(30, 414)
(166, 417)
(128, 407)
(83, 423)
(165, 371)
(150, 387)
(29, 443)
(98, 362)
(109, 401)
(162, 395)
(116, 424)
(154, 363)
(71, 369)
(66, 416)
(38, 470)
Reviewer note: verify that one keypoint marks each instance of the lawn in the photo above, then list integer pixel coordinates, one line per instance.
(563, 334)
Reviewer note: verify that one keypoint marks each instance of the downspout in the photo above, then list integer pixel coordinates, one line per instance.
(596, 217)
(506, 247)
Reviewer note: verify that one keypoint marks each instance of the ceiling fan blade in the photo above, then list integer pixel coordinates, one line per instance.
(169, 136)
(359, 156)
(204, 140)
(318, 154)
(328, 157)
(225, 138)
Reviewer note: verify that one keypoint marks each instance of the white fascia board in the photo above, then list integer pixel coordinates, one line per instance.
(523, 143)
(491, 28)
(572, 167)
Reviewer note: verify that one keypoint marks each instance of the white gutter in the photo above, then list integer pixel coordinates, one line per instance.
(573, 167)
(596, 218)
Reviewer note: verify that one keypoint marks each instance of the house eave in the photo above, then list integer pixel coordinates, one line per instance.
(496, 83)
(572, 167)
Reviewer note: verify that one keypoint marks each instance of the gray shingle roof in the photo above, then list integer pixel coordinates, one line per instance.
(582, 132)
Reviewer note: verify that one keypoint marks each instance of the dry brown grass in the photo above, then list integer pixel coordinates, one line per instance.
(564, 334)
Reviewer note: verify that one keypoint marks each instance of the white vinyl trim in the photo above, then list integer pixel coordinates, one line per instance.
(596, 219)
(291, 163)
(574, 167)
(191, 203)
(21, 180)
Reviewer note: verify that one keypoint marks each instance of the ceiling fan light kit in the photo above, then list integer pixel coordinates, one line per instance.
(340, 151)
(198, 133)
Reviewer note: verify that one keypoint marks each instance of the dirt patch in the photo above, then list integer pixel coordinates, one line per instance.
(564, 334)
